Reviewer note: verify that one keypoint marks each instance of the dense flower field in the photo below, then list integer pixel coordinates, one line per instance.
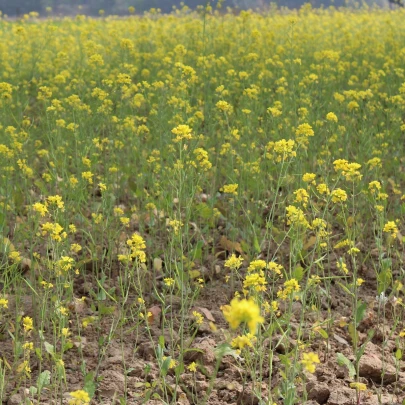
(203, 208)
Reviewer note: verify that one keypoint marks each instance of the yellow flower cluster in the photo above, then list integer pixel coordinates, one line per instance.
(243, 311)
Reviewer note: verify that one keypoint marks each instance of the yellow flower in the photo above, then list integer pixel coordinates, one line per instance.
(168, 282)
(28, 323)
(201, 156)
(28, 346)
(374, 186)
(150, 207)
(65, 263)
(80, 397)
(275, 268)
(339, 195)
(391, 227)
(302, 133)
(182, 132)
(349, 170)
(172, 363)
(295, 217)
(358, 386)
(65, 332)
(224, 106)
(55, 200)
(175, 225)
(137, 245)
(88, 176)
(353, 251)
(256, 280)
(309, 360)
(341, 265)
(331, 117)
(283, 149)
(323, 189)
(192, 367)
(290, 286)
(102, 186)
(24, 367)
(46, 285)
(256, 265)
(230, 189)
(301, 196)
(75, 248)
(374, 162)
(198, 318)
(3, 303)
(240, 311)
(245, 340)
(309, 178)
(343, 243)
(15, 257)
(233, 262)
(41, 208)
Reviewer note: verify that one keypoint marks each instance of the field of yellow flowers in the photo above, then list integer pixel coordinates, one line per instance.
(203, 208)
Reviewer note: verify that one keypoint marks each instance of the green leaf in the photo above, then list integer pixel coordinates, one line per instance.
(345, 289)
(323, 333)
(384, 279)
(298, 273)
(285, 359)
(360, 312)
(224, 350)
(44, 379)
(18, 197)
(353, 333)
(67, 346)
(179, 369)
(105, 310)
(89, 384)
(398, 354)
(49, 348)
(344, 361)
(38, 353)
(196, 253)
(283, 375)
(166, 365)
(204, 211)
(162, 341)
(362, 348)
(256, 245)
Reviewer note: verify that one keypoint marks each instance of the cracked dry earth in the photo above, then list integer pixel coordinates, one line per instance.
(129, 364)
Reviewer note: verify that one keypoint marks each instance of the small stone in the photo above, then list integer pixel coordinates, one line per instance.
(204, 351)
(341, 396)
(202, 385)
(318, 391)
(371, 366)
(114, 360)
(15, 399)
(112, 383)
(136, 370)
(249, 396)
(385, 399)
(182, 399)
(147, 350)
